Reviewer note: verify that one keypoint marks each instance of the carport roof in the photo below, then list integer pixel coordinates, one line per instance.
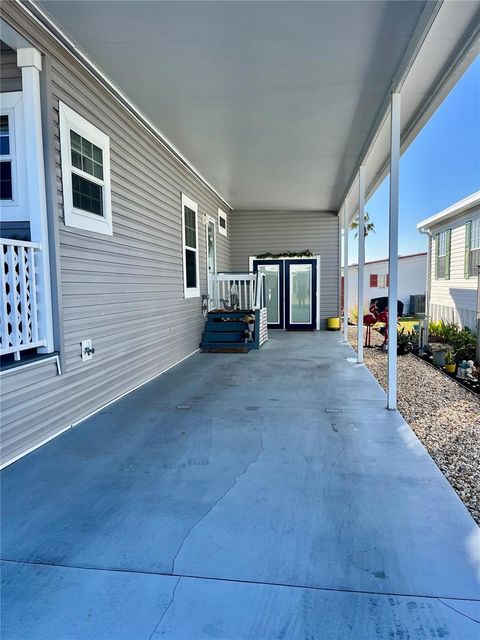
(275, 104)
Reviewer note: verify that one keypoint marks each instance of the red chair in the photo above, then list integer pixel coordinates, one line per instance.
(368, 320)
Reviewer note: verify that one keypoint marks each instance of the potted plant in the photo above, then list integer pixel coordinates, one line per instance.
(450, 364)
(438, 356)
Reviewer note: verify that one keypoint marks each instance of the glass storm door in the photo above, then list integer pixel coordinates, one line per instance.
(211, 262)
(300, 295)
(274, 290)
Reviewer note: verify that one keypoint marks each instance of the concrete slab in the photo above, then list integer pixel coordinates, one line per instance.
(105, 605)
(285, 469)
(54, 603)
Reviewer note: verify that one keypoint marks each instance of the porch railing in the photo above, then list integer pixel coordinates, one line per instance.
(238, 290)
(19, 325)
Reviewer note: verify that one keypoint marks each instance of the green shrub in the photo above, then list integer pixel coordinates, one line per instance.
(462, 341)
(464, 344)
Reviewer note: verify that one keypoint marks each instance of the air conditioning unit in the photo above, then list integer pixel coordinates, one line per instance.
(417, 304)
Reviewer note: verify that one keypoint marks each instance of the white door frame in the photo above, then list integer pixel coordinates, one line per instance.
(318, 261)
(212, 302)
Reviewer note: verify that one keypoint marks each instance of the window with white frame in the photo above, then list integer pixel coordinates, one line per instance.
(382, 280)
(85, 153)
(222, 223)
(13, 182)
(472, 256)
(191, 283)
(442, 258)
(6, 183)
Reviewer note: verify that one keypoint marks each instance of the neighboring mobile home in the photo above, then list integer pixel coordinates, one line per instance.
(454, 250)
(412, 272)
(114, 243)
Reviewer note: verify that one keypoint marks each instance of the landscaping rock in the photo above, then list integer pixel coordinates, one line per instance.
(444, 416)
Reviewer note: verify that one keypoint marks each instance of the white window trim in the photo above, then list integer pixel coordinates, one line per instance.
(442, 239)
(474, 222)
(16, 208)
(190, 292)
(73, 217)
(222, 216)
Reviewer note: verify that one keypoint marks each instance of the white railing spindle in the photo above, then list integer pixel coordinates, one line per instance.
(14, 299)
(33, 294)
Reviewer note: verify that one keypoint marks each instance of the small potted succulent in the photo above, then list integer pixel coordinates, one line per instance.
(450, 364)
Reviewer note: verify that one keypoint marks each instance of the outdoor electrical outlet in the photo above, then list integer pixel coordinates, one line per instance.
(87, 350)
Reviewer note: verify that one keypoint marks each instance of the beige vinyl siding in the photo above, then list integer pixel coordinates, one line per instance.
(125, 292)
(258, 232)
(10, 74)
(454, 299)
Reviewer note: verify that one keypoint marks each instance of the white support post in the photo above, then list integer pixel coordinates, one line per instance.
(361, 260)
(30, 61)
(345, 270)
(393, 250)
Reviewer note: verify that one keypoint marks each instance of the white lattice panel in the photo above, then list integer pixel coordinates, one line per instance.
(19, 310)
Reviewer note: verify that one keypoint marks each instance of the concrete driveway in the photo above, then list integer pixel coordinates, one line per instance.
(262, 495)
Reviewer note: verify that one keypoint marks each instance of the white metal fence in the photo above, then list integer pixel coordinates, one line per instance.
(19, 326)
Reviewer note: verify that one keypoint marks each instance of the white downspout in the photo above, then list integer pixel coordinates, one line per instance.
(361, 260)
(429, 235)
(393, 250)
(345, 271)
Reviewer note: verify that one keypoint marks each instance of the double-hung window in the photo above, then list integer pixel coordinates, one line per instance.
(472, 248)
(85, 152)
(191, 283)
(442, 254)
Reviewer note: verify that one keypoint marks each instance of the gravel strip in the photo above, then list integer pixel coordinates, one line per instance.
(444, 415)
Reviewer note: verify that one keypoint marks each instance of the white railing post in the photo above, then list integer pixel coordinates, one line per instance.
(30, 61)
(361, 260)
(393, 250)
(345, 270)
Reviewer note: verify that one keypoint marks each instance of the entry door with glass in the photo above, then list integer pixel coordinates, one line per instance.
(211, 238)
(290, 292)
(300, 295)
(274, 290)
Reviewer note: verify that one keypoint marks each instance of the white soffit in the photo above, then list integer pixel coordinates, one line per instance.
(273, 102)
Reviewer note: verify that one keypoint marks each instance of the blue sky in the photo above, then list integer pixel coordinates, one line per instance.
(440, 167)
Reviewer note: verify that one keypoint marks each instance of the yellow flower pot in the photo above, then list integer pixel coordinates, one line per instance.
(450, 368)
(333, 324)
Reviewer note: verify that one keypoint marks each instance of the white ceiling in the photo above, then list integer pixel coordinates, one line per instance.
(272, 102)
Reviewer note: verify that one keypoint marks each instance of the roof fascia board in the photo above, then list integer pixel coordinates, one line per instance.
(458, 208)
(41, 17)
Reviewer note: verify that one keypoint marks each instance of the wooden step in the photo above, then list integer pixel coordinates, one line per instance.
(229, 314)
(241, 346)
(212, 325)
(223, 336)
